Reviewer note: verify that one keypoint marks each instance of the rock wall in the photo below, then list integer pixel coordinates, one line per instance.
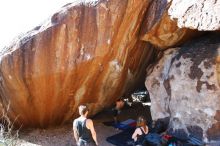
(184, 85)
(196, 14)
(88, 53)
(160, 30)
(91, 53)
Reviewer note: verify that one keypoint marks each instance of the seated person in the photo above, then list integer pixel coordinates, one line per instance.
(141, 131)
(117, 109)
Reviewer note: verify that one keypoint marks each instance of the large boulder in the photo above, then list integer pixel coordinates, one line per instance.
(196, 14)
(160, 30)
(184, 85)
(88, 53)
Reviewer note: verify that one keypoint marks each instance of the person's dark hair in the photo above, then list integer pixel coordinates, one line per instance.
(83, 109)
(141, 121)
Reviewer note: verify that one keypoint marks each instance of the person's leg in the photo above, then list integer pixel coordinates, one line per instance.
(115, 114)
(91, 144)
(81, 143)
(115, 119)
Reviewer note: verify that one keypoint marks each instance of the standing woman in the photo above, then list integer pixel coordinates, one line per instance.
(141, 131)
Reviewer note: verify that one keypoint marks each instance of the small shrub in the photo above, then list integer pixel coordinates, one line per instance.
(8, 136)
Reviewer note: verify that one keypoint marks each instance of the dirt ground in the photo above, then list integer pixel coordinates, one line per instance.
(63, 136)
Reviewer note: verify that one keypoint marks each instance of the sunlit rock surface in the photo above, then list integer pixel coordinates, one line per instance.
(196, 14)
(159, 29)
(184, 85)
(86, 53)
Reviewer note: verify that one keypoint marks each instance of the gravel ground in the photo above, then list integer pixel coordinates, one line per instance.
(63, 136)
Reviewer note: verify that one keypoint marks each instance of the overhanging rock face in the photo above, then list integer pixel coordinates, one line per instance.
(88, 53)
(160, 30)
(184, 85)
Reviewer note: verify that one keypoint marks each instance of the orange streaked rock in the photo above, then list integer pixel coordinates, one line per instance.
(160, 30)
(86, 53)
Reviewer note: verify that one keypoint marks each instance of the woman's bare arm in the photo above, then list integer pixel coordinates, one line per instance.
(134, 135)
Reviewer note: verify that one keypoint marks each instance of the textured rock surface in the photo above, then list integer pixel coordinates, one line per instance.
(86, 53)
(184, 85)
(159, 29)
(196, 14)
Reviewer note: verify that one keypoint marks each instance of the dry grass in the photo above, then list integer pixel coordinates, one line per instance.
(8, 136)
